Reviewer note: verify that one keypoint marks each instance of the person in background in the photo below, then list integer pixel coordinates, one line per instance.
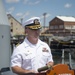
(32, 53)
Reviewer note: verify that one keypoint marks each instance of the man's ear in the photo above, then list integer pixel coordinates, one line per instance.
(26, 30)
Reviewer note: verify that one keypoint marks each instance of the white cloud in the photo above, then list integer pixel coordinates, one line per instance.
(12, 1)
(25, 14)
(48, 15)
(34, 3)
(19, 14)
(31, 2)
(43, 0)
(10, 10)
(26, 1)
(46, 0)
(67, 5)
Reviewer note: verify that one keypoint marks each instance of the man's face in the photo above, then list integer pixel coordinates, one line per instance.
(33, 32)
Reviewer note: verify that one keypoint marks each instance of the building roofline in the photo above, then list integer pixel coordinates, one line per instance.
(14, 18)
(67, 18)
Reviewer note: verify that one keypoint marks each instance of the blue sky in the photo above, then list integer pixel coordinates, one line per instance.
(28, 8)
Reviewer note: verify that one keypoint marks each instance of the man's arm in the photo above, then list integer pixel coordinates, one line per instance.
(20, 71)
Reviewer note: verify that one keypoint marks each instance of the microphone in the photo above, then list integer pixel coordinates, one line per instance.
(44, 68)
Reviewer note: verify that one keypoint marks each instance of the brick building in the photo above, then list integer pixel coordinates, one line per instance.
(62, 26)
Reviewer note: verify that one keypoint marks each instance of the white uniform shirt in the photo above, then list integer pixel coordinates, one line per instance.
(31, 57)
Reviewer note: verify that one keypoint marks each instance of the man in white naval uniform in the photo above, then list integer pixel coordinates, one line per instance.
(32, 53)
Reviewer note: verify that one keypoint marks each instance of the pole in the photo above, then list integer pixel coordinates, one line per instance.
(63, 56)
(70, 63)
(21, 20)
(44, 19)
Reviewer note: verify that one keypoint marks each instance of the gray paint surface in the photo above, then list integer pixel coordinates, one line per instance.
(4, 38)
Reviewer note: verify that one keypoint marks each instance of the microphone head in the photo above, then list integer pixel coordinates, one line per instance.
(44, 68)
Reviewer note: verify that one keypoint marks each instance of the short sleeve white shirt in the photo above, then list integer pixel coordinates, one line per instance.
(31, 57)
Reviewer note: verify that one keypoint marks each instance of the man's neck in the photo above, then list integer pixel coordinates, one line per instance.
(32, 40)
